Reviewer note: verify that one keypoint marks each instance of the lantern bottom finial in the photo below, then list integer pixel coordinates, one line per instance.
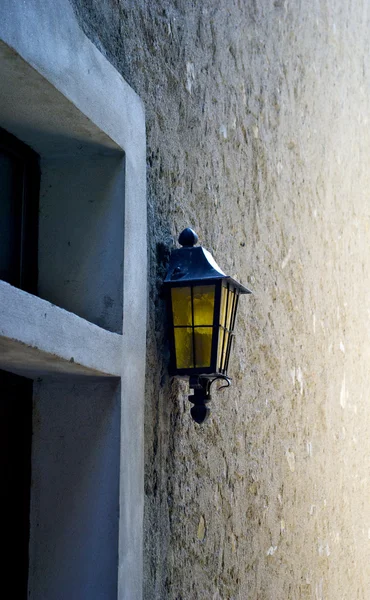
(201, 386)
(200, 413)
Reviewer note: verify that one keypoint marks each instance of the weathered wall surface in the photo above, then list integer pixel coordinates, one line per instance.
(258, 138)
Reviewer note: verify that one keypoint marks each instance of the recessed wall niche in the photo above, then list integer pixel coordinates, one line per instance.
(81, 229)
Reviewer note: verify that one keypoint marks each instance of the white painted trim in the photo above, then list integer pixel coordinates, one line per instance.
(54, 341)
(46, 34)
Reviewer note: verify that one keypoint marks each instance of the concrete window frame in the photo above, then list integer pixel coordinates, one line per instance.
(64, 99)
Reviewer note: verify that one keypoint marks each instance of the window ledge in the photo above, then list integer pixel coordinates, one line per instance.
(38, 338)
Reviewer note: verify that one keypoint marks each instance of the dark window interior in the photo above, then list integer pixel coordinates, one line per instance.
(19, 190)
(15, 468)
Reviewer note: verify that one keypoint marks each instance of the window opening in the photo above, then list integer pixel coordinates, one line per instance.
(15, 466)
(19, 185)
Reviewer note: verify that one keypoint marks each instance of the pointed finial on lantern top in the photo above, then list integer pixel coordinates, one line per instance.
(188, 238)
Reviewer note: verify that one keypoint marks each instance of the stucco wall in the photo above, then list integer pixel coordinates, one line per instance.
(258, 138)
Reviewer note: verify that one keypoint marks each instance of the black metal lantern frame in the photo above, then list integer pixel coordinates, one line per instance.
(203, 303)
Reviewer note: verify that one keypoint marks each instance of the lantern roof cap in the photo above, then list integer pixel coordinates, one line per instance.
(194, 264)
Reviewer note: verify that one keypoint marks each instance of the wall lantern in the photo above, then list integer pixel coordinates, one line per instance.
(202, 306)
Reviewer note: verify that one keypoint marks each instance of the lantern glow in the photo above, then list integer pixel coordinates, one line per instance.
(193, 313)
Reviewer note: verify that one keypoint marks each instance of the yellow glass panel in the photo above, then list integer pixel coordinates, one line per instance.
(184, 347)
(230, 305)
(204, 304)
(219, 349)
(223, 306)
(203, 346)
(224, 352)
(181, 306)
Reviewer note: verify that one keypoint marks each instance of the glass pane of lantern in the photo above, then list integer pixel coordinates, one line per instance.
(219, 349)
(203, 346)
(223, 306)
(204, 303)
(228, 352)
(184, 347)
(224, 350)
(181, 306)
(230, 306)
(229, 300)
(235, 308)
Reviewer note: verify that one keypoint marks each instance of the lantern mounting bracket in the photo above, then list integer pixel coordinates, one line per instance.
(202, 386)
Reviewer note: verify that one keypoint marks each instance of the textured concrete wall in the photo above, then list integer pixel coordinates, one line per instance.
(258, 137)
